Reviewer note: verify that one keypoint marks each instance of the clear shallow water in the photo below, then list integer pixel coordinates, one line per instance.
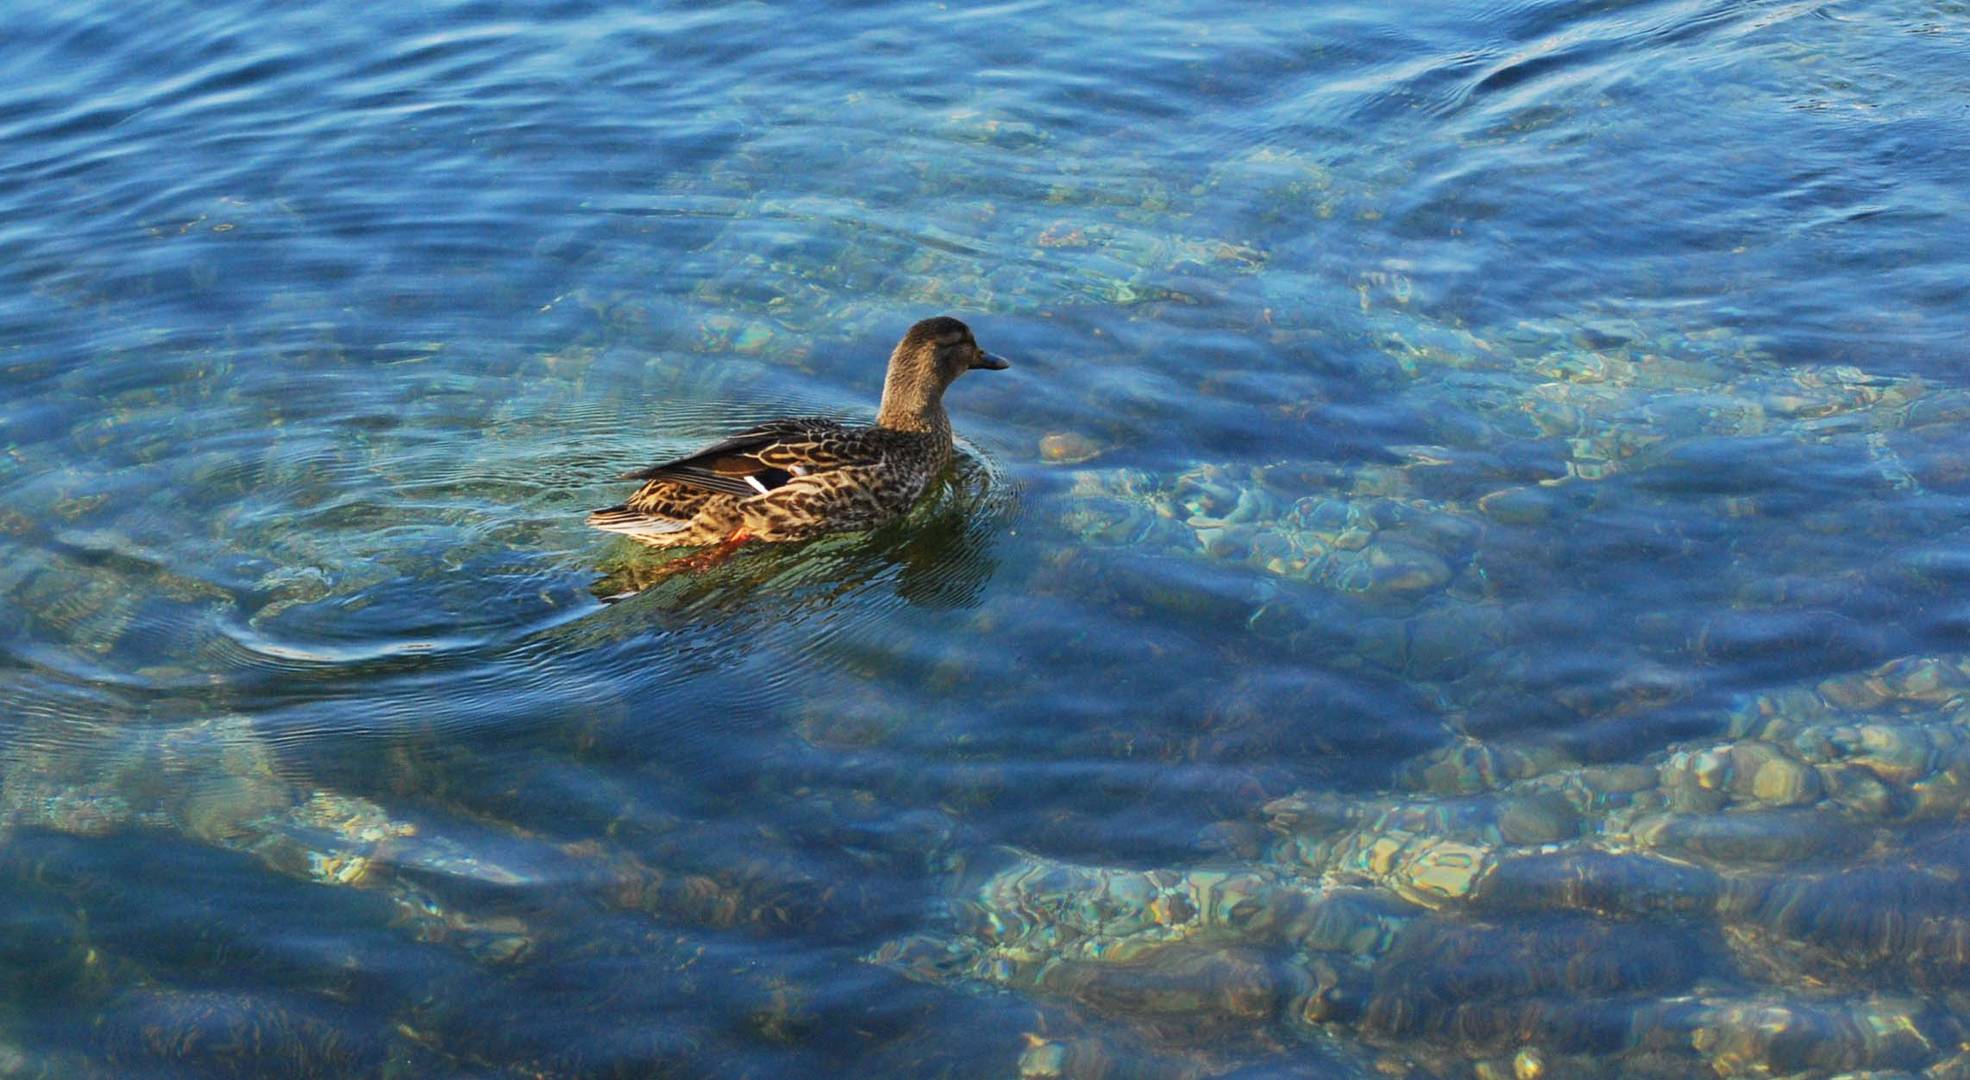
(1465, 574)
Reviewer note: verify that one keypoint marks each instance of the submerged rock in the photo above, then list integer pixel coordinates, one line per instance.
(1611, 916)
(1068, 448)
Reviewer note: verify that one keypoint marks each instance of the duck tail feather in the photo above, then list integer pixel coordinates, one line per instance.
(621, 519)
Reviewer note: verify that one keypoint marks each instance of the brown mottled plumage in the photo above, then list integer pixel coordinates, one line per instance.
(799, 478)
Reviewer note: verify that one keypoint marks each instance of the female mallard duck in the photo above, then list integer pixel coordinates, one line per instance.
(799, 478)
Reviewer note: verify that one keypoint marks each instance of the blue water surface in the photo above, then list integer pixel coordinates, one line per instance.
(1464, 576)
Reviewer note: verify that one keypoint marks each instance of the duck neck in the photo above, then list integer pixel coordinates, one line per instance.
(908, 405)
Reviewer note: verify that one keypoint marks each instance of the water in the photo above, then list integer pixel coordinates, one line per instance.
(1464, 576)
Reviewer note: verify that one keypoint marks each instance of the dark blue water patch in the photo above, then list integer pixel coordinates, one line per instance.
(29, 421)
(1830, 640)
(47, 943)
(178, 1032)
(1344, 731)
(170, 908)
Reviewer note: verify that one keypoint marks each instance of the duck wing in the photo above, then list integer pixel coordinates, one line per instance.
(755, 462)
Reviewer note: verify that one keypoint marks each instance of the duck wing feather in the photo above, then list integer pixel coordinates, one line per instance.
(758, 460)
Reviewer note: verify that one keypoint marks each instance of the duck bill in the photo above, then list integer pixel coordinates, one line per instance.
(989, 362)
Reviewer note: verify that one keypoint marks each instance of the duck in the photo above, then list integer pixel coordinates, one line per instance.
(801, 477)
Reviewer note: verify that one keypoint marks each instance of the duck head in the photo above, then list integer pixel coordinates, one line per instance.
(926, 362)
